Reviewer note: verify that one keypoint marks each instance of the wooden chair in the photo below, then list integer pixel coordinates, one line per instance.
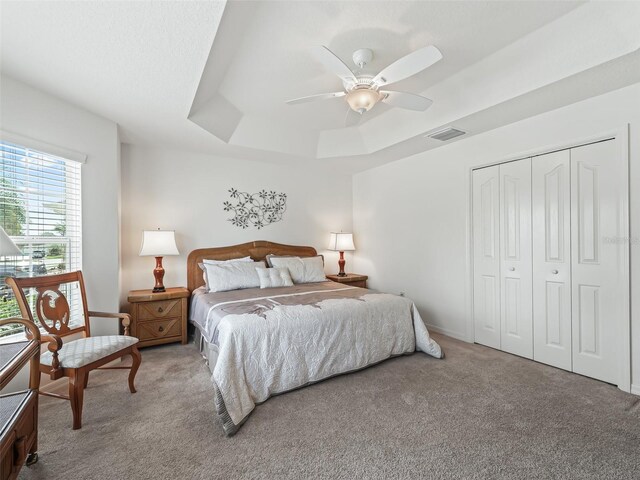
(76, 358)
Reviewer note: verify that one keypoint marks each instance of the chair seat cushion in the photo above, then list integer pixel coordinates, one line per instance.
(84, 351)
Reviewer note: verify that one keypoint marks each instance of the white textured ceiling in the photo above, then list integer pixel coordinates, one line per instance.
(135, 62)
(272, 63)
(213, 76)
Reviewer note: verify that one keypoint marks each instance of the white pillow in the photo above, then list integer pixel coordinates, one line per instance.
(302, 269)
(274, 277)
(217, 262)
(227, 276)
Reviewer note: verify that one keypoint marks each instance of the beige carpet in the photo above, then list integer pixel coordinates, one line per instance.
(477, 414)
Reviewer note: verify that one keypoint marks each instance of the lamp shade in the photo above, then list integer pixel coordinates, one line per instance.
(158, 243)
(341, 242)
(7, 247)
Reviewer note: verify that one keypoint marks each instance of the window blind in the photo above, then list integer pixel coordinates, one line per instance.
(40, 210)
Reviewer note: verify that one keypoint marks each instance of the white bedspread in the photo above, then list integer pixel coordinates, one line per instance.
(293, 339)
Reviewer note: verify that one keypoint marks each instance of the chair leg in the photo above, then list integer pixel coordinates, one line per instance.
(76, 395)
(86, 380)
(137, 359)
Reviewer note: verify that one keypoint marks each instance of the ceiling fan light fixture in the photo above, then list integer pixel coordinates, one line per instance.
(363, 99)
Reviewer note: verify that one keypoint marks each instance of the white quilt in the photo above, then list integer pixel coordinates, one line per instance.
(290, 340)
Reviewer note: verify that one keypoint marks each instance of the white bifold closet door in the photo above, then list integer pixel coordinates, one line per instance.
(502, 309)
(516, 316)
(486, 256)
(598, 281)
(550, 279)
(551, 194)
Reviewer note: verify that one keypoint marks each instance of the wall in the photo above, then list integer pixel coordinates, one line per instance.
(27, 112)
(410, 217)
(31, 113)
(184, 192)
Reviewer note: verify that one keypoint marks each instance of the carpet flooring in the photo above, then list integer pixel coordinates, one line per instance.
(478, 413)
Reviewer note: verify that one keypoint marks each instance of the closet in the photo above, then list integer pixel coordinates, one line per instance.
(548, 273)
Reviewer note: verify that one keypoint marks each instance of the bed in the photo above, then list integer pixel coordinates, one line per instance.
(263, 342)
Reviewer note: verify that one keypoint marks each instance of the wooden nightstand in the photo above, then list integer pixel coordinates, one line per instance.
(158, 318)
(352, 279)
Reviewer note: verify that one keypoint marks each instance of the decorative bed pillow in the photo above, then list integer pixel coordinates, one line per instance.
(227, 276)
(271, 255)
(218, 262)
(302, 269)
(274, 277)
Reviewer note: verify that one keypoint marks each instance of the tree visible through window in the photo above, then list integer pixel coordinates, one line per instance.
(40, 211)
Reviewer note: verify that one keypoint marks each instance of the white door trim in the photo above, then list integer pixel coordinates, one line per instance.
(621, 137)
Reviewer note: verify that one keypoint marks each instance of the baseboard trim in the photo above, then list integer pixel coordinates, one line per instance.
(635, 389)
(447, 332)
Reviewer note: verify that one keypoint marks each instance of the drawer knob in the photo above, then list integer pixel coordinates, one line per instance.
(512, 269)
(160, 310)
(555, 272)
(161, 328)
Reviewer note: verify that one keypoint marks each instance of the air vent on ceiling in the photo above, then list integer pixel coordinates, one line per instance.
(446, 134)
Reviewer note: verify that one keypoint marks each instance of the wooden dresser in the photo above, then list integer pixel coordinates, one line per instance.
(158, 318)
(351, 279)
(19, 410)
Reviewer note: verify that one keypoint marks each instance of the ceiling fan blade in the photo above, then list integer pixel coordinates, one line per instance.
(408, 65)
(331, 62)
(352, 118)
(410, 101)
(313, 98)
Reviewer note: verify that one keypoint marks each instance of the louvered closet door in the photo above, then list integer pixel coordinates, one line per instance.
(551, 194)
(596, 260)
(486, 256)
(516, 321)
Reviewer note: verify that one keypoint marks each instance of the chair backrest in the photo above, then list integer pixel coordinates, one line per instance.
(51, 304)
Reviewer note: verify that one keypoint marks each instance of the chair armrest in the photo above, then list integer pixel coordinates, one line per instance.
(33, 333)
(126, 318)
(31, 354)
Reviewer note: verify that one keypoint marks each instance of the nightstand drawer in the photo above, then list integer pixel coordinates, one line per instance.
(159, 309)
(159, 329)
(158, 318)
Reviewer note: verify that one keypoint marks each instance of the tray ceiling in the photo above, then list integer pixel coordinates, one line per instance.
(212, 77)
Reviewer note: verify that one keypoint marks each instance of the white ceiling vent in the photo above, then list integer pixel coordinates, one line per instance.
(446, 134)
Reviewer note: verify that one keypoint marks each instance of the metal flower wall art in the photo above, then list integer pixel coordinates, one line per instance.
(255, 209)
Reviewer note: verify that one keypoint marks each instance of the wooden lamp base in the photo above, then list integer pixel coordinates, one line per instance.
(158, 273)
(341, 264)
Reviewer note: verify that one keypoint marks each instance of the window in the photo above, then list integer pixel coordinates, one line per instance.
(40, 211)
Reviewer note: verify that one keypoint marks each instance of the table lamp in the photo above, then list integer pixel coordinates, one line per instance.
(341, 242)
(158, 243)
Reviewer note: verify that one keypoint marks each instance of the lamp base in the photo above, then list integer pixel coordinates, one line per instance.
(341, 264)
(158, 274)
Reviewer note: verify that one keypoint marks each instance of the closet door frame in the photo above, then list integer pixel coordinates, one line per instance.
(621, 137)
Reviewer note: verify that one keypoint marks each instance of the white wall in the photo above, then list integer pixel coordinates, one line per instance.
(31, 113)
(410, 217)
(184, 192)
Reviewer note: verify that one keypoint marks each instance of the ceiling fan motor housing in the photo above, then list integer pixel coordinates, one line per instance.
(362, 56)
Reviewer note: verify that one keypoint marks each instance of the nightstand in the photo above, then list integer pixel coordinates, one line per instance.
(352, 279)
(158, 318)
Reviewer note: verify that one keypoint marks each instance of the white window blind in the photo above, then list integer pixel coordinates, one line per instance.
(40, 210)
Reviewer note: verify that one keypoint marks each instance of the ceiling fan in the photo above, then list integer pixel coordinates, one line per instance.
(363, 91)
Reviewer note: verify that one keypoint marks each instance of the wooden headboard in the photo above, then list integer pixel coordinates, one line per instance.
(258, 250)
